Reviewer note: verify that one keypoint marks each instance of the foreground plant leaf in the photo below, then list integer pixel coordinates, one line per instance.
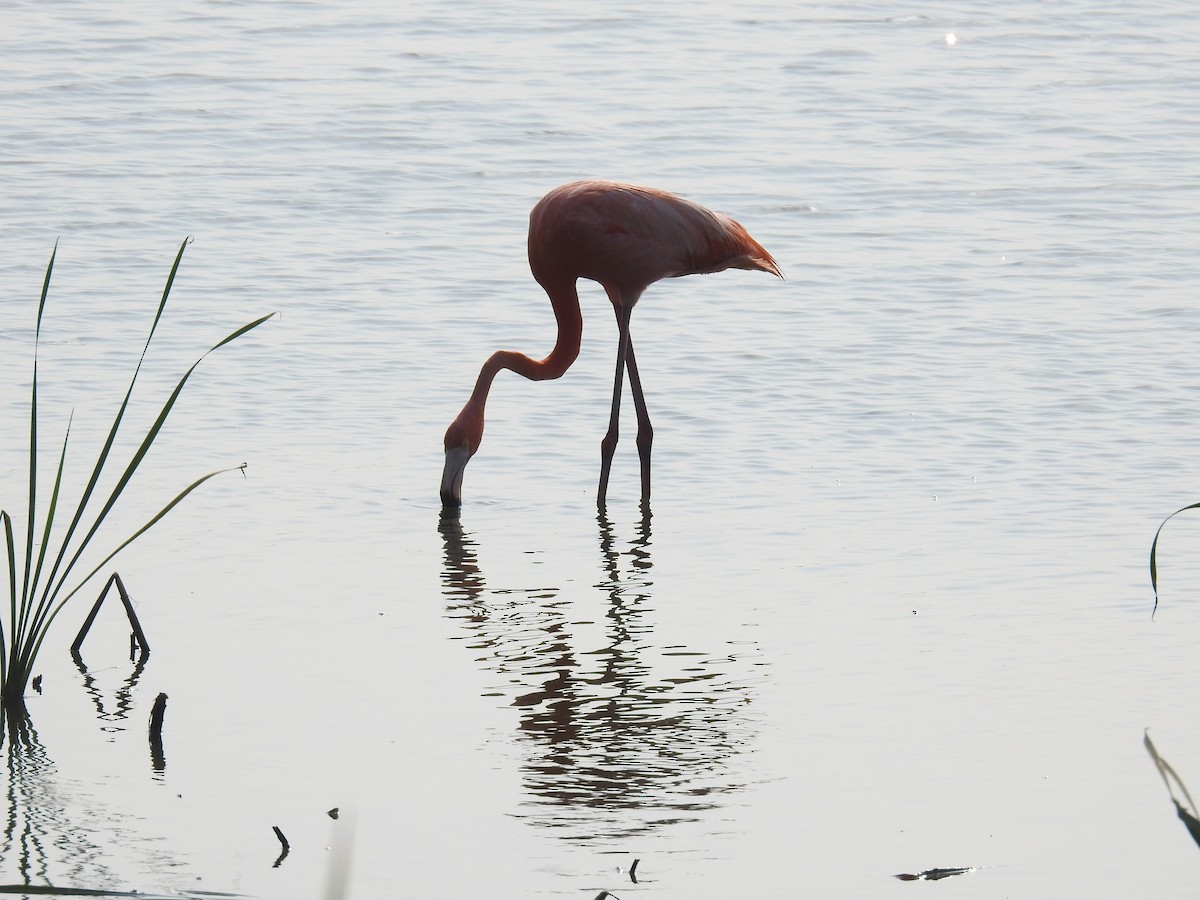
(1154, 554)
(35, 605)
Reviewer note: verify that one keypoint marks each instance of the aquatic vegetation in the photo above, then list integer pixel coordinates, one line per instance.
(1154, 553)
(37, 591)
(936, 874)
(1185, 807)
(283, 843)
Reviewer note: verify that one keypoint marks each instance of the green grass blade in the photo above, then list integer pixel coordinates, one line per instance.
(42, 626)
(1154, 554)
(37, 572)
(54, 588)
(249, 326)
(12, 593)
(102, 459)
(33, 429)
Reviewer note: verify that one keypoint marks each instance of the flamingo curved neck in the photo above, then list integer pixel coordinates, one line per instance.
(566, 350)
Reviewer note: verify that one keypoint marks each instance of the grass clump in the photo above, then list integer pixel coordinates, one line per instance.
(42, 574)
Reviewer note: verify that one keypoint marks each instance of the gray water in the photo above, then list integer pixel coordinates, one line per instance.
(890, 609)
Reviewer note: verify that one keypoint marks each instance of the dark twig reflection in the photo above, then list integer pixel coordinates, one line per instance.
(42, 836)
(25, 837)
(52, 828)
(123, 696)
(1185, 807)
(627, 732)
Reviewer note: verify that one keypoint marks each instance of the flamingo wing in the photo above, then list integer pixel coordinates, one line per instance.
(630, 237)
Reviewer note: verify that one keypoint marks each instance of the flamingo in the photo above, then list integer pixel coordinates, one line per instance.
(626, 238)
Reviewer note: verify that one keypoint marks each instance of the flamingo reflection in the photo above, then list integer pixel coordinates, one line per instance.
(623, 734)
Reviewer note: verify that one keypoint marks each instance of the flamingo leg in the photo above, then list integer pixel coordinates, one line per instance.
(645, 436)
(608, 446)
(626, 360)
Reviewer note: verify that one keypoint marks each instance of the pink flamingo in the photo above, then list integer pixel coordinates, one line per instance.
(626, 238)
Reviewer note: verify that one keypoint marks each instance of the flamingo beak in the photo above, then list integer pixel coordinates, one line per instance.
(452, 475)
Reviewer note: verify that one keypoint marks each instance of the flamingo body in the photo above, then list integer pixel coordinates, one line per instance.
(626, 238)
(629, 237)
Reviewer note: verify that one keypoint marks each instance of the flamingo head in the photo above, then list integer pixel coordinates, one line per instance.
(462, 440)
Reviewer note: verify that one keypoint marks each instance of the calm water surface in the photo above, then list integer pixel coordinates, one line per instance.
(890, 608)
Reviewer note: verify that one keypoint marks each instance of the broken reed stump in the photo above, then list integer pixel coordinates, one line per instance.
(138, 638)
(158, 759)
(284, 843)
